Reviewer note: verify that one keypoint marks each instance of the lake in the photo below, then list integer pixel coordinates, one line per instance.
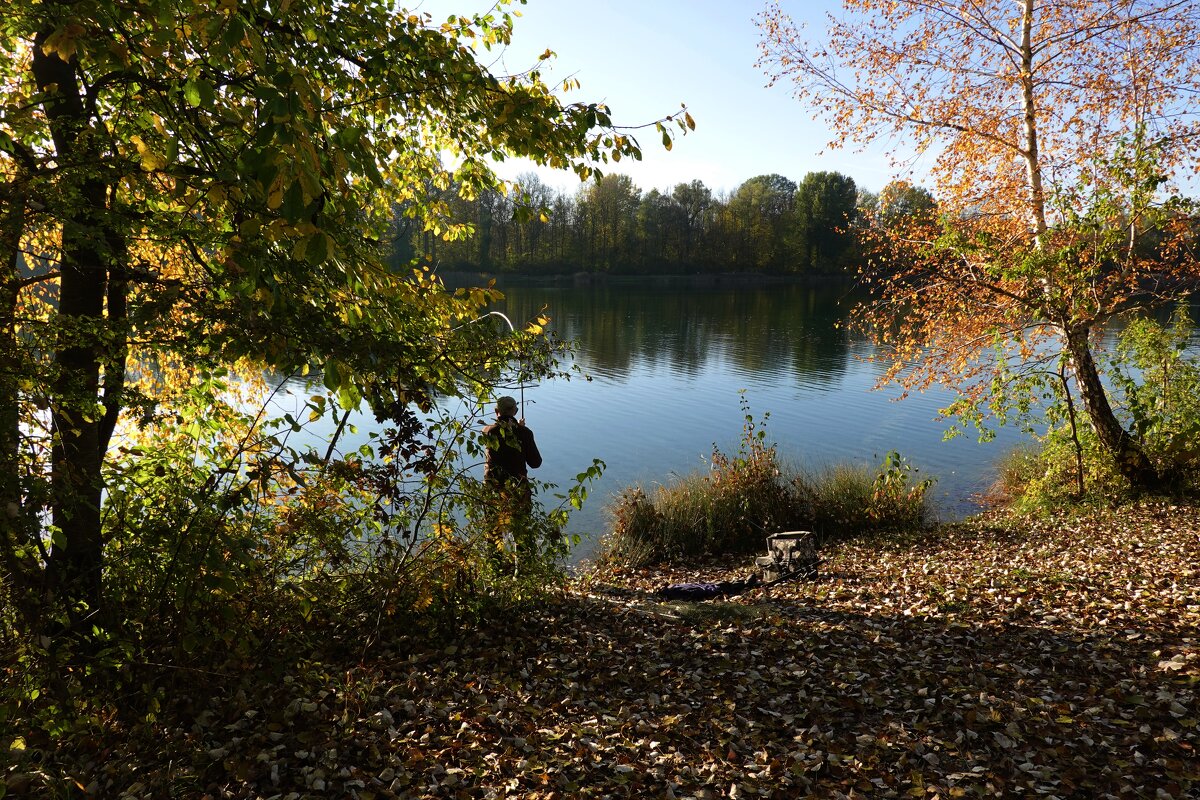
(669, 367)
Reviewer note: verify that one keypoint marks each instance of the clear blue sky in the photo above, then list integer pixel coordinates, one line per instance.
(646, 57)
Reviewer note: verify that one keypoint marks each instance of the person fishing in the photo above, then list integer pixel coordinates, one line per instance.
(511, 452)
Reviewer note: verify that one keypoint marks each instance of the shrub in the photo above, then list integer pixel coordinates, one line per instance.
(1047, 478)
(728, 509)
(230, 551)
(741, 499)
(843, 501)
(1157, 391)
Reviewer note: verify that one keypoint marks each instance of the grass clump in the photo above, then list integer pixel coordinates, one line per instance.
(843, 500)
(742, 498)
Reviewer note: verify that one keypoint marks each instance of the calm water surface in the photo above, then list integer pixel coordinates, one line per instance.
(669, 367)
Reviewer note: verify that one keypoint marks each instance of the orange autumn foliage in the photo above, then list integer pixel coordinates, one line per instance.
(1059, 135)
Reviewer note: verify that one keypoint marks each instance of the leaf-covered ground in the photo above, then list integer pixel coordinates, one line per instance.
(1060, 659)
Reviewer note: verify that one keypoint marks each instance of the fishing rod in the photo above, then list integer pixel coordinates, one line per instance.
(511, 329)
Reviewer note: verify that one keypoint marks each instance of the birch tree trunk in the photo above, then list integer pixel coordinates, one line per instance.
(1127, 453)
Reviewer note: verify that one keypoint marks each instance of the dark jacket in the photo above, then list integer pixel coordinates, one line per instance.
(511, 449)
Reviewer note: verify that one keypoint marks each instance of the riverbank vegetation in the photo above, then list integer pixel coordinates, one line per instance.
(732, 506)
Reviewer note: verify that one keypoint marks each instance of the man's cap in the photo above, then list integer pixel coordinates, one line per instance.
(506, 405)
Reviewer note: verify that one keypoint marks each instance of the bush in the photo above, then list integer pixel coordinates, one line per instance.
(741, 499)
(729, 509)
(232, 553)
(1032, 480)
(1048, 478)
(1156, 390)
(844, 501)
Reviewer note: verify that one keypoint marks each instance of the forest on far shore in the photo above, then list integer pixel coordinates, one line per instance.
(769, 224)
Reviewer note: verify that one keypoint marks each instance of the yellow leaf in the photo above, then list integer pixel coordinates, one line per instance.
(62, 41)
(275, 195)
(152, 162)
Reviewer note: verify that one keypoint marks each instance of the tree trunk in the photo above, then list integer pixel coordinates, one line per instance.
(1125, 451)
(76, 459)
(18, 535)
(76, 559)
(1029, 110)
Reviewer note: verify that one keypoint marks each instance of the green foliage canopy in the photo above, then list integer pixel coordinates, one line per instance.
(208, 182)
(826, 205)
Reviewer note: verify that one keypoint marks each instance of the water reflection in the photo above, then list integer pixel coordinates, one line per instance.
(774, 332)
(670, 366)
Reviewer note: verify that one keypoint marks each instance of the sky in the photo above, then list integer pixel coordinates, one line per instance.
(645, 58)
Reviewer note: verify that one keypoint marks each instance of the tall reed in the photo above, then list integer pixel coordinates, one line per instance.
(742, 498)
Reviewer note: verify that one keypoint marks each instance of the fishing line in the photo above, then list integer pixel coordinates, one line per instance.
(520, 362)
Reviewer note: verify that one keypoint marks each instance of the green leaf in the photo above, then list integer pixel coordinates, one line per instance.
(349, 397)
(7, 145)
(191, 93)
(332, 377)
(293, 208)
(318, 249)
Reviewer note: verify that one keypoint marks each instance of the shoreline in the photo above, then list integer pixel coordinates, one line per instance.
(733, 280)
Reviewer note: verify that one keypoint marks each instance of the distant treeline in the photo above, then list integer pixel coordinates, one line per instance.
(768, 225)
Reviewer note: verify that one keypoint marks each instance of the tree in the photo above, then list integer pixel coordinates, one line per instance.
(695, 202)
(1055, 130)
(902, 201)
(825, 208)
(533, 217)
(901, 209)
(757, 214)
(658, 223)
(492, 223)
(215, 181)
(608, 206)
